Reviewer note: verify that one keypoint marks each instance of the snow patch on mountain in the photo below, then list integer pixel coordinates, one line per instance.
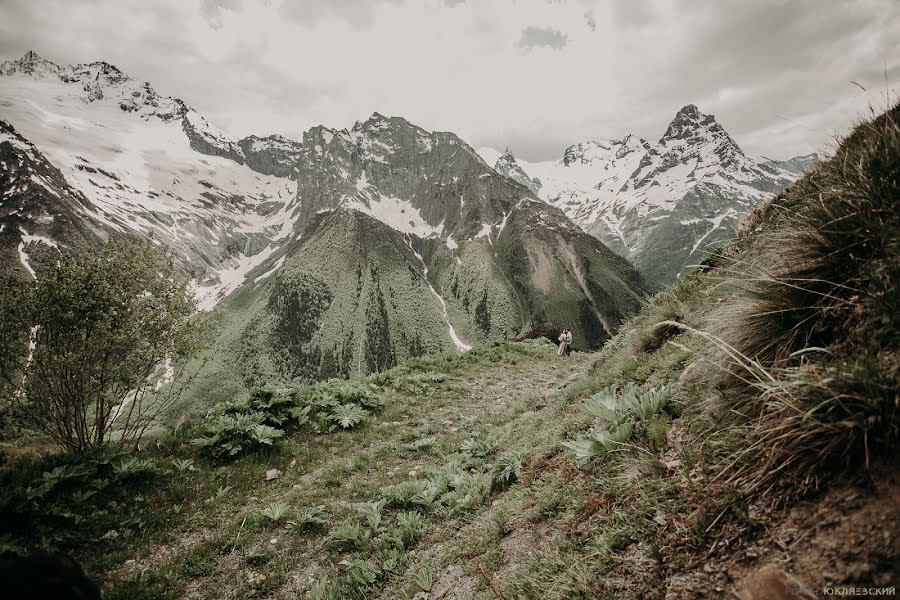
(396, 213)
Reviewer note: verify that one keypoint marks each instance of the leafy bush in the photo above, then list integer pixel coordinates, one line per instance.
(406, 493)
(338, 403)
(587, 447)
(416, 384)
(309, 517)
(66, 501)
(372, 512)
(507, 470)
(424, 578)
(620, 411)
(348, 415)
(259, 420)
(183, 465)
(132, 467)
(323, 589)
(361, 576)
(231, 435)
(411, 526)
(349, 535)
(108, 328)
(276, 511)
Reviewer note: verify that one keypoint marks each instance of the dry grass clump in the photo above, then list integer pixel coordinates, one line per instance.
(813, 325)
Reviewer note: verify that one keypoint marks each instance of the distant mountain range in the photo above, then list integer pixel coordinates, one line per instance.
(660, 205)
(347, 251)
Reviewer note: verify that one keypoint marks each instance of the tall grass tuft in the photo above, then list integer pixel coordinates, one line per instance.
(816, 310)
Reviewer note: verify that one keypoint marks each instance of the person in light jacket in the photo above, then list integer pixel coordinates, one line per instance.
(562, 343)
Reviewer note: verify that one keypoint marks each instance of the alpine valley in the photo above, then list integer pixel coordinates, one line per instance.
(665, 205)
(346, 252)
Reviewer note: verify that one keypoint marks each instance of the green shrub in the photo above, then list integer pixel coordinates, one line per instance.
(405, 494)
(411, 525)
(507, 470)
(620, 411)
(323, 589)
(349, 535)
(361, 576)
(276, 511)
(348, 415)
(423, 577)
(259, 420)
(88, 349)
(67, 501)
(230, 435)
(372, 513)
(309, 517)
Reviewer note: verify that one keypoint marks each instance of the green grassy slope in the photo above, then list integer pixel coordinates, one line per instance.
(733, 436)
(352, 298)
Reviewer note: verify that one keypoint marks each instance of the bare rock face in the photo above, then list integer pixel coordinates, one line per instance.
(206, 139)
(272, 155)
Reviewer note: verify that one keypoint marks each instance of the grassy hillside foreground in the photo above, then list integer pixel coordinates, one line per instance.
(738, 438)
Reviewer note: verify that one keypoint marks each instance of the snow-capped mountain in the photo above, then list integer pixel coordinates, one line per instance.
(132, 156)
(349, 250)
(662, 205)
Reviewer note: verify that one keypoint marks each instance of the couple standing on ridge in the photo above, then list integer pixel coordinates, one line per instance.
(565, 343)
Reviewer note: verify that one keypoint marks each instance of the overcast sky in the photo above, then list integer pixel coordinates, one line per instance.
(536, 75)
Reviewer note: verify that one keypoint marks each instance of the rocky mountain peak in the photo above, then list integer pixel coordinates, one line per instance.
(101, 71)
(30, 64)
(797, 165)
(507, 166)
(693, 134)
(661, 204)
(378, 121)
(690, 123)
(507, 158)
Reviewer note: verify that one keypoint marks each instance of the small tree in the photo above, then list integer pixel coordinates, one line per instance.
(90, 348)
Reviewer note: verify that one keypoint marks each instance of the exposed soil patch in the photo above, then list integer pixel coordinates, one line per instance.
(846, 539)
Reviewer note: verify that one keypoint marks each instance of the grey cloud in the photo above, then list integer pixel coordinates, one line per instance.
(542, 36)
(631, 13)
(358, 13)
(754, 65)
(212, 10)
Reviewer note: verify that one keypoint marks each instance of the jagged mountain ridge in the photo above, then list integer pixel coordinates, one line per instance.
(392, 241)
(662, 205)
